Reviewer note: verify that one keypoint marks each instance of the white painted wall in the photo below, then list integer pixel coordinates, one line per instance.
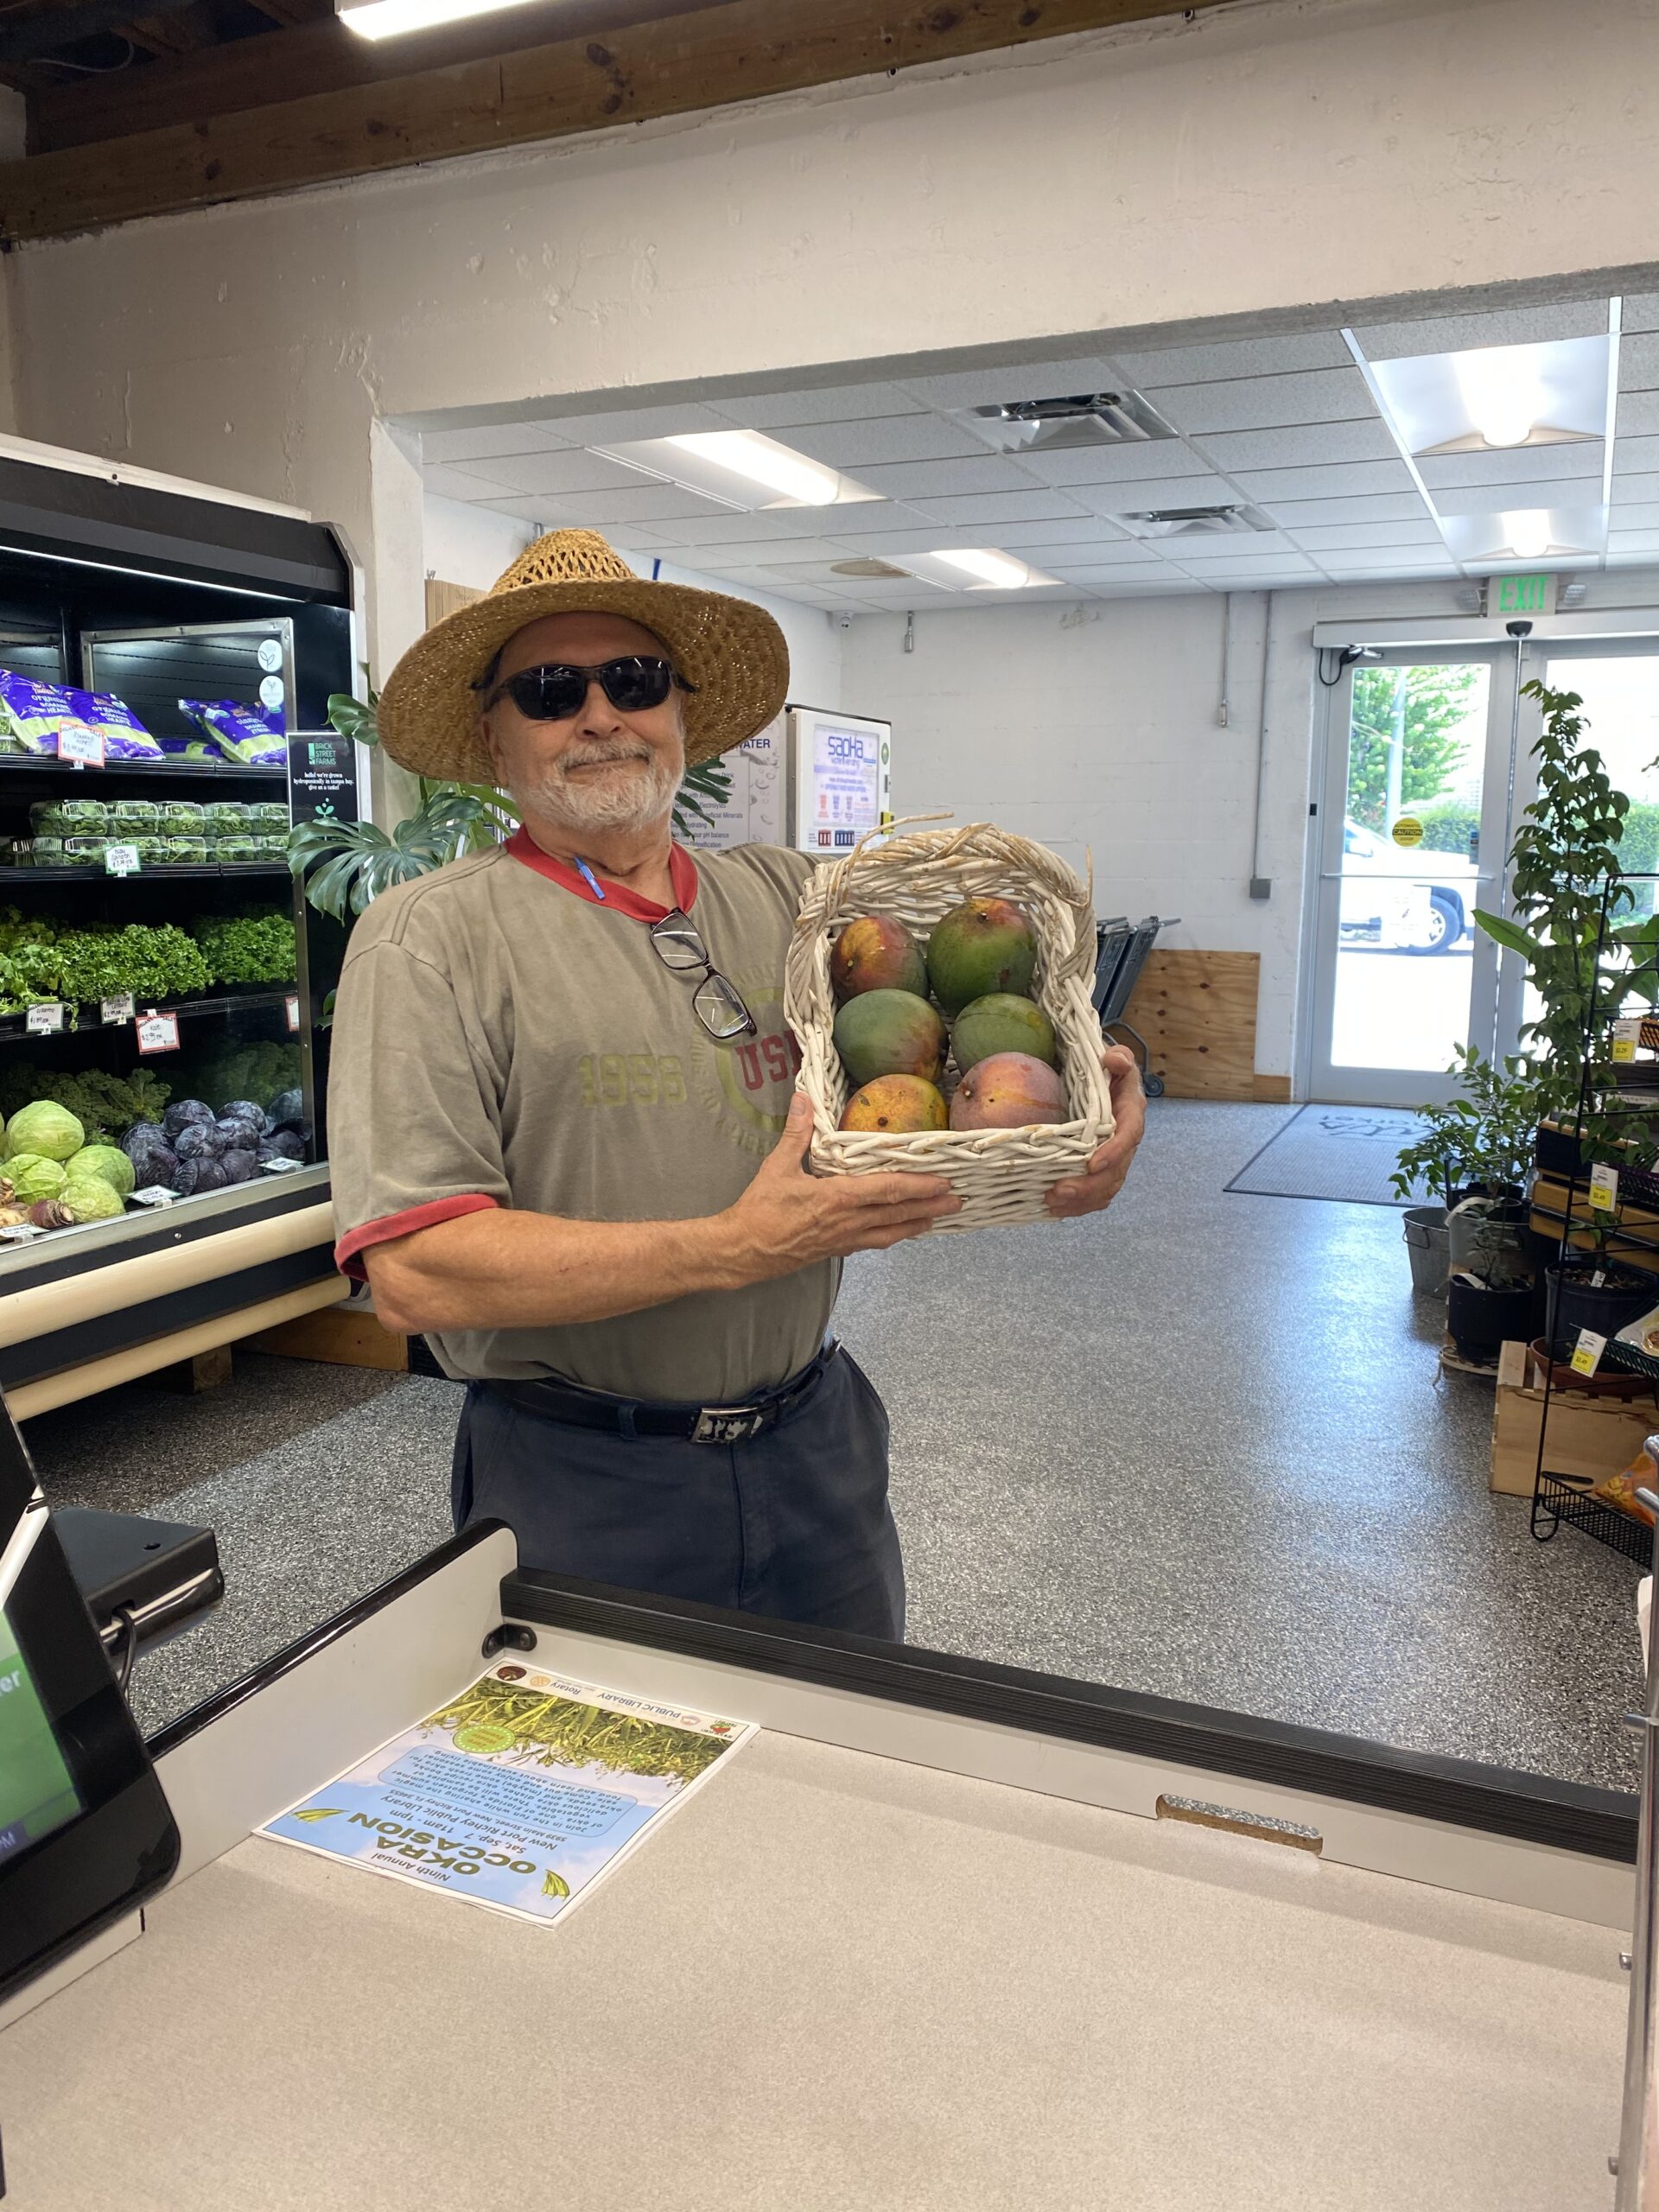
(469, 545)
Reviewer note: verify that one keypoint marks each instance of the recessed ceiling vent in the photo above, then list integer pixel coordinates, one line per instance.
(866, 567)
(1194, 522)
(1082, 418)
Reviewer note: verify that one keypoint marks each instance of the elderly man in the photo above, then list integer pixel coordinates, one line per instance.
(564, 1142)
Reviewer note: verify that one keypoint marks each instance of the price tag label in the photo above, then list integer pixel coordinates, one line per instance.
(292, 1011)
(121, 860)
(117, 1009)
(1626, 1036)
(1603, 1189)
(83, 746)
(1587, 1353)
(44, 1020)
(280, 1166)
(19, 1232)
(158, 1033)
(156, 1194)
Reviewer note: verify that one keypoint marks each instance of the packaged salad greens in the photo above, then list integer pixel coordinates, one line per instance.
(252, 737)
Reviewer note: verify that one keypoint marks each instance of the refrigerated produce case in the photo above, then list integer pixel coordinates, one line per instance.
(156, 592)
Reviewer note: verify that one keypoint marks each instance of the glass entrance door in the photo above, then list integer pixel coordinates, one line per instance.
(1413, 823)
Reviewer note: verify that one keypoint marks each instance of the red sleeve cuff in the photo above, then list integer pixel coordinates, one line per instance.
(390, 1226)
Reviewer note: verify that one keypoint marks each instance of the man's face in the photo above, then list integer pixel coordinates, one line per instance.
(601, 769)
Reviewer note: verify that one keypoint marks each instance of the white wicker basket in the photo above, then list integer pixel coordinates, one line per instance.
(1001, 1176)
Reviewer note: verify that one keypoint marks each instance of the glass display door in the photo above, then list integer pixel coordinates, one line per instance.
(1412, 827)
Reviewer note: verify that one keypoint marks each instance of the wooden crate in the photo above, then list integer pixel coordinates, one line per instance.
(343, 1335)
(1635, 1242)
(1589, 1437)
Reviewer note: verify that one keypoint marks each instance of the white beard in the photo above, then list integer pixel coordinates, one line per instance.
(630, 798)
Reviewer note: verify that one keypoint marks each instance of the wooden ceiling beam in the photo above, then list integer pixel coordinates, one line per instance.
(739, 50)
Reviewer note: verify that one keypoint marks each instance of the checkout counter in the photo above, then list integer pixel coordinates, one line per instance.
(942, 1935)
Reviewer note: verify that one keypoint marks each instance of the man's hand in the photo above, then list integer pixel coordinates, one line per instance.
(1103, 1179)
(787, 1218)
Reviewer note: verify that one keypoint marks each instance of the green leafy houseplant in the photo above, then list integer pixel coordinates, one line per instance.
(345, 865)
(1482, 1141)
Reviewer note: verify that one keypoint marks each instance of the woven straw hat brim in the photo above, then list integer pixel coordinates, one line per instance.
(731, 650)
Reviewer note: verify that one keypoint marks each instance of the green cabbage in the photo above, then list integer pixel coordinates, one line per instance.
(89, 1198)
(45, 1129)
(107, 1161)
(31, 1177)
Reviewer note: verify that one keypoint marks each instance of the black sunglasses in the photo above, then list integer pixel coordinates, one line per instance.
(718, 1003)
(556, 692)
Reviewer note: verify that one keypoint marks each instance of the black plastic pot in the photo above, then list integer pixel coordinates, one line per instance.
(1557, 1154)
(1482, 1320)
(1574, 1302)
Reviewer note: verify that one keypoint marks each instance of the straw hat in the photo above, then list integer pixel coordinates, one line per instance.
(731, 650)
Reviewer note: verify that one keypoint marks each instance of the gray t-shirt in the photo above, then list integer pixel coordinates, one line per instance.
(501, 1039)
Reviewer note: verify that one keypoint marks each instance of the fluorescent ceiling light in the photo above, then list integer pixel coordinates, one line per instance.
(763, 460)
(1001, 569)
(1492, 398)
(1530, 532)
(1563, 536)
(392, 18)
(740, 468)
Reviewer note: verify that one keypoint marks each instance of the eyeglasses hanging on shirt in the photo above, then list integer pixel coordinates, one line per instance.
(718, 1003)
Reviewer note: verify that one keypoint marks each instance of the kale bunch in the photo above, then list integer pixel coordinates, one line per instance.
(256, 946)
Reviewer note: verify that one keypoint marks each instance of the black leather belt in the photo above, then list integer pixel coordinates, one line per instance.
(582, 1408)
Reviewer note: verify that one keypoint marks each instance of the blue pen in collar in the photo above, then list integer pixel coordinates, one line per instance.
(590, 879)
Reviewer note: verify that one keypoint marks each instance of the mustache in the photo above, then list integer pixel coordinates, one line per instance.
(597, 756)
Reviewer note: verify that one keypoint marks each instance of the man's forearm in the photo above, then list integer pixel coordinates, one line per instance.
(504, 1269)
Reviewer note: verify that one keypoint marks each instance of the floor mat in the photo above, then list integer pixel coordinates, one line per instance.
(1333, 1152)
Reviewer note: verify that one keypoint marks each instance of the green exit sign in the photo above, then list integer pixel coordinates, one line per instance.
(1523, 594)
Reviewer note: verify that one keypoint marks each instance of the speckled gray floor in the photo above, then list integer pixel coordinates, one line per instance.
(1198, 1449)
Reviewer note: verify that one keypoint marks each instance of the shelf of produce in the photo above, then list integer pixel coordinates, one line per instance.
(81, 1307)
(183, 872)
(14, 1027)
(61, 774)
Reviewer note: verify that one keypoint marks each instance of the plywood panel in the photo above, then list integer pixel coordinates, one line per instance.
(345, 1336)
(1196, 1012)
(443, 599)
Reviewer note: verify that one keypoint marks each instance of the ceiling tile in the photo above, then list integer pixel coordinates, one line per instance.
(872, 519)
(1361, 535)
(491, 439)
(1289, 567)
(1266, 402)
(1640, 311)
(844, 403)
(1315, 445)
(448, 483)
(1382, 507)
(1235, 358)
(1635, 516)
(886, 438)
(1167, 491)
(650, 503)
(762, 552)
(1639, 414)
(1025, 380)
(1140, 462)
(1458, 333)
(943, 479)
(1055, 532)
(574, 470)
(1228, 545)
(1513, 464)
(988, 510)
(1346, 481)
(1631, 490)
(1631, 456)
(1389, 560)
(614, 423)
(729, 527)
(1500, 498)
(1069, 561)
(1633, 541)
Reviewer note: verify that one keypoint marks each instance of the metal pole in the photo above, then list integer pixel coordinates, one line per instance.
(1392, 801)
(1638, 2039)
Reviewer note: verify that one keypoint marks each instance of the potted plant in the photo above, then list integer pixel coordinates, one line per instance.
(1475, 1153)
(1589, 958)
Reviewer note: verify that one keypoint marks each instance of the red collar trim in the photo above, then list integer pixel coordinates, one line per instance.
(682, 868)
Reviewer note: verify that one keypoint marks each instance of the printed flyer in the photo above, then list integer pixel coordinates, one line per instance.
(519, 1794)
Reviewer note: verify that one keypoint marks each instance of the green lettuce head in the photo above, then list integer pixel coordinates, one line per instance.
(107, 1161)
(31, 1177)
(91, 1199)
(45, 1130)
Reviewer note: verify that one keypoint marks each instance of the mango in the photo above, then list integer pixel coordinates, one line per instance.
(897, 1102)
(982, 946)
(889, 1032)
(876, 953)
(1000, 1022)
(1010, 1090)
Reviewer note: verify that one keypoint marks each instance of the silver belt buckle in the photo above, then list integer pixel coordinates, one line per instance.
(727, 1424)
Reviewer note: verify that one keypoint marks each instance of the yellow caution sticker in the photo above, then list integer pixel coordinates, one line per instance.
(1407, 830)
(1625, 1034)
(1603, 1189)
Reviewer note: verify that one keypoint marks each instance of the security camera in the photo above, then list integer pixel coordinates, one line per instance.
(1519, 629)
(845, 622)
